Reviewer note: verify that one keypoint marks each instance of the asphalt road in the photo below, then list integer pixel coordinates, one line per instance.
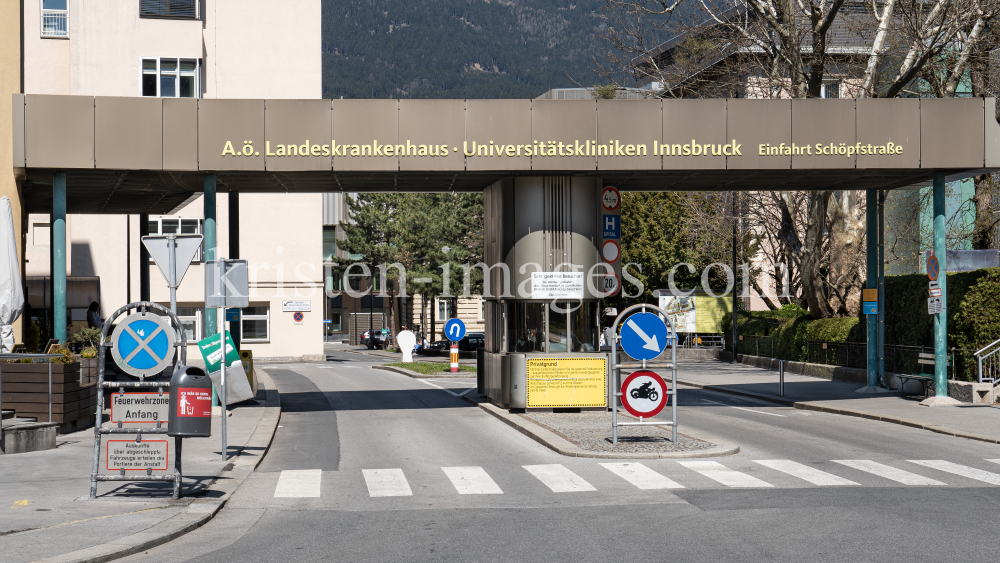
(368, 465)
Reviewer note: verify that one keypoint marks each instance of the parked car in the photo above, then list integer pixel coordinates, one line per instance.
(379, 341)
(472, 342)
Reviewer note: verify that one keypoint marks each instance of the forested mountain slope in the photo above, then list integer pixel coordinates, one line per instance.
(457, 48)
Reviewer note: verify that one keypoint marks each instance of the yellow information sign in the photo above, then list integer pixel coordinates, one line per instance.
(567, 382)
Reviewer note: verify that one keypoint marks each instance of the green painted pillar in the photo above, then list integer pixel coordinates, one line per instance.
(211, 243)
(143, 258)
(940, 319)
(871, 279)
(59, 256)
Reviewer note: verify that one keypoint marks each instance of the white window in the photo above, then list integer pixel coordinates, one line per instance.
(444, 309)
(256, 324)
(171, 78)
(55, 18)
(191, 320)
(482, 309)
(178, 226)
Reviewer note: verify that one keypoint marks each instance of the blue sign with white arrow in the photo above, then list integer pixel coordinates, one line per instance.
(454, 330)
(644, 336)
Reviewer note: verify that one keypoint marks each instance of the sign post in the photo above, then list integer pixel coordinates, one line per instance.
(226, 285)
(644, 336)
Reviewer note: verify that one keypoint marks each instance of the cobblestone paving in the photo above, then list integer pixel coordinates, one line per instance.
(592, 431)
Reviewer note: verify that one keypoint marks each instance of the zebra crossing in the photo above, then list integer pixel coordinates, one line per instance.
(475, 480)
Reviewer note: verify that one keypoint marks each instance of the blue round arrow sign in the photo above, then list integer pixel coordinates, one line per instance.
(454, 330)
(644, 336)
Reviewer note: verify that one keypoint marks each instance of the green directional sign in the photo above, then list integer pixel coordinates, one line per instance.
(211, 353)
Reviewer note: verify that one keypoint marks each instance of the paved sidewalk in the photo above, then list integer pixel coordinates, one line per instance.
(45, 512)
(974, 421)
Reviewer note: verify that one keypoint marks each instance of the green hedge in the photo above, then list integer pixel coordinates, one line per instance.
(973, 317)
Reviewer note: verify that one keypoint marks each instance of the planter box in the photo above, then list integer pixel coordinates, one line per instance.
(25, 390)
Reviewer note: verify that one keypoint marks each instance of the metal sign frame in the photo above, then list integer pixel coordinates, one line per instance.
(614, 382)
(179, 342)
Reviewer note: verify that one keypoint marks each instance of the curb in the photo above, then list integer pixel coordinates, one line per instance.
(199, 511)
(563, 446)
(417, 375)
(809, 406)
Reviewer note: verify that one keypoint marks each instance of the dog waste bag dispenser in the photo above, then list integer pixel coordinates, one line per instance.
(190, 404)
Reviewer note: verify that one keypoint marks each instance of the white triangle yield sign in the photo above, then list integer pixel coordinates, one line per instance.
(159, 251)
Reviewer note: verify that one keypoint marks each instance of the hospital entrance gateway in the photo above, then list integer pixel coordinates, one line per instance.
(542, 165)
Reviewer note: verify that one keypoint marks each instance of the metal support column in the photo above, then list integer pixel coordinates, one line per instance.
(234, 254)
(59, 256)
(881, 289)
(871, 280)
(210, 246)
(735, 292)
(940, 319)
(143, 259)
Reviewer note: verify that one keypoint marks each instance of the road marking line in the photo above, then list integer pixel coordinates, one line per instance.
(962, 470)
(718, 472)
(741, 408)
(641, 476)
(804, 472)
(558, 478)
(298, 483)
(472, 481)
(445, 390)
(386, 483)
(891, 473)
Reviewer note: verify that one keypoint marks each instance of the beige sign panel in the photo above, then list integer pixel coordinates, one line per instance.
(59, 131)
(889, 129)
(231, 134)
(128, 133)
(941, 150)
(763, 127)
(431, 135)
(560, 130)
(628, 134)
(180, 134)
(823, 134)
(361, 131)
(691, 130)
(504, 125)
(299, 134)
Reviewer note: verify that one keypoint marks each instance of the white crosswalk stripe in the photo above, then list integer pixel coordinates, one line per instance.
(299, 483)
(718, 472)
(386, 483)
(558, 478)
(641, 476)
(472, 481)
(804, 472)
(962, 470)
(891, 473)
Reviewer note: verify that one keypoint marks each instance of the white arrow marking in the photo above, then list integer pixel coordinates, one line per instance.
(651, 343)
(454, 330)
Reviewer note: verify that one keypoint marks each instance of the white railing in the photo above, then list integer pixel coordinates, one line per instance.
(988, 363)
(55, 23)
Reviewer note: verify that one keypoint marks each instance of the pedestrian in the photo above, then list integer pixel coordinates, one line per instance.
(94, 319)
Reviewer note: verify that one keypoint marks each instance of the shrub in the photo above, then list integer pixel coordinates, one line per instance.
(66, 358)
(88, 352)
(33, 338)
(976, 322)
(87, 338)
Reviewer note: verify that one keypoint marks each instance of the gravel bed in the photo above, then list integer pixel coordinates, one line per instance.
(591, 430)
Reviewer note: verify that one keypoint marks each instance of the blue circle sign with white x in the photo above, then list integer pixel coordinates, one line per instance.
(454, 330)
(644, 336)
(143, 344)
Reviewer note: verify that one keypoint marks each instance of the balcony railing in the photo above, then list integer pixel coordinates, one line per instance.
(55, 23)
(180, 9)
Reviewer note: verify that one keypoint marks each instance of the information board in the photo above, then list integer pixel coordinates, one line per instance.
(557, 285)
(147, 408)
(137, 456)
(567, 382)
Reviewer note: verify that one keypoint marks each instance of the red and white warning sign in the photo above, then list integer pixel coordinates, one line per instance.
(610, 198)
(644, 394)
(194, 402)
(611, 251)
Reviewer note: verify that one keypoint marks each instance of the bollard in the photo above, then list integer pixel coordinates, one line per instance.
(781, 378)
(454, 357)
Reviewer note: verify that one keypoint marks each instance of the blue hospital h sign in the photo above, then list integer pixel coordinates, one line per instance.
(612, 226)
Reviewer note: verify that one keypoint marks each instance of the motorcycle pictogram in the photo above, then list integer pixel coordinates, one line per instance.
(645, 391)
